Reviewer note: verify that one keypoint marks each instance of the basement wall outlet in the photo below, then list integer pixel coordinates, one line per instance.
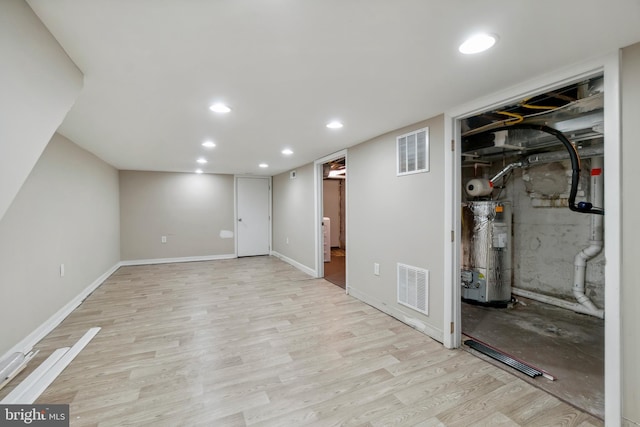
(287, 240)
(376, 268)
(61, 270)
(163, 239)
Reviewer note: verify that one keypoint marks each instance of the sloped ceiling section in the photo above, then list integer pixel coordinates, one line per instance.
(39, 83)
(287, 67)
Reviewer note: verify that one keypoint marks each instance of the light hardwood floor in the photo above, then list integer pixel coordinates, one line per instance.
(255, 342)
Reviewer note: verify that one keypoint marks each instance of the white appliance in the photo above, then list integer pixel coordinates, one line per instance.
(326, 233)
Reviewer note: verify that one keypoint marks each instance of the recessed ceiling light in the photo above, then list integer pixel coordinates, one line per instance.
(198, 171)
(477, 43)
(208, 144)
(202, 160)
(263, 165)
(287, 152)
(334, 125)
(219, 108)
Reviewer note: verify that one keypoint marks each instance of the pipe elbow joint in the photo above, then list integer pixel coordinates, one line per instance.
(587, 253)
(579, 261)
(580, 296)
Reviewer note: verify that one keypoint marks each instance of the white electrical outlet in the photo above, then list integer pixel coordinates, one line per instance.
(164, 239)
(376, 268)
(61, 270)
(287, 240)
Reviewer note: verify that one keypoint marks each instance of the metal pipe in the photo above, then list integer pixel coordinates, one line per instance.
(556, 156)
(506, 170)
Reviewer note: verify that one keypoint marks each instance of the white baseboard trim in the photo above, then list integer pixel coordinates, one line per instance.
(181, 259)
(49, 325)
(296, 264)
(27, 343)
(402, 316)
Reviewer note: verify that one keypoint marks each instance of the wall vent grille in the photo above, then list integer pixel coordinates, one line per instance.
(413, 288)
(413, 152)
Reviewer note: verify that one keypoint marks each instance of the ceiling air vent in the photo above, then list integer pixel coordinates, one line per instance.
(413, 288)
(413, 152)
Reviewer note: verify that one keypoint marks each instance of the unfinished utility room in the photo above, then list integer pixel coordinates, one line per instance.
(532, 243)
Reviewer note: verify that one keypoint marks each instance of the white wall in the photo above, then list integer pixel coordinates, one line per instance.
(394, 220)
(65, 213)
(38, 86)
(189, 209)
(390, 219)
(293, 216)
(630, 286)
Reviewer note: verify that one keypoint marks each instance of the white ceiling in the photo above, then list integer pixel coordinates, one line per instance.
(287, 67)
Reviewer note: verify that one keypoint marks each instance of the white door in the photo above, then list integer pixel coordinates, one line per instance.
(253, 220)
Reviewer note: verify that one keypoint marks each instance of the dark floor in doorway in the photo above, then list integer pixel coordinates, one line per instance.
(335, 271)
(568, 345)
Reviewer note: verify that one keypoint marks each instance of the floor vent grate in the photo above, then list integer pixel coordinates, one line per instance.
(501, 357)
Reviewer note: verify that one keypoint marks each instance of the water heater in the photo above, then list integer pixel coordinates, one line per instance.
(486, 252)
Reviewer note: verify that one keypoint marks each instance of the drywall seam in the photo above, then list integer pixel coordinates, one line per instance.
(172, 260)
(50, 324)
(296, 264)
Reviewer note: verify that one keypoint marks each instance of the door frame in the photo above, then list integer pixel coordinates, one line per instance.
(609, 66)
(318, 208)
(235, 209)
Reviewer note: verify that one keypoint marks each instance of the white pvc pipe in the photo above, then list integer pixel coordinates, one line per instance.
(595, 242)
(573, 306)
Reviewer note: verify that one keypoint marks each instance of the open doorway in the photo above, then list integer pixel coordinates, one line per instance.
(334, 249)
(532, 280)
(608, 66)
